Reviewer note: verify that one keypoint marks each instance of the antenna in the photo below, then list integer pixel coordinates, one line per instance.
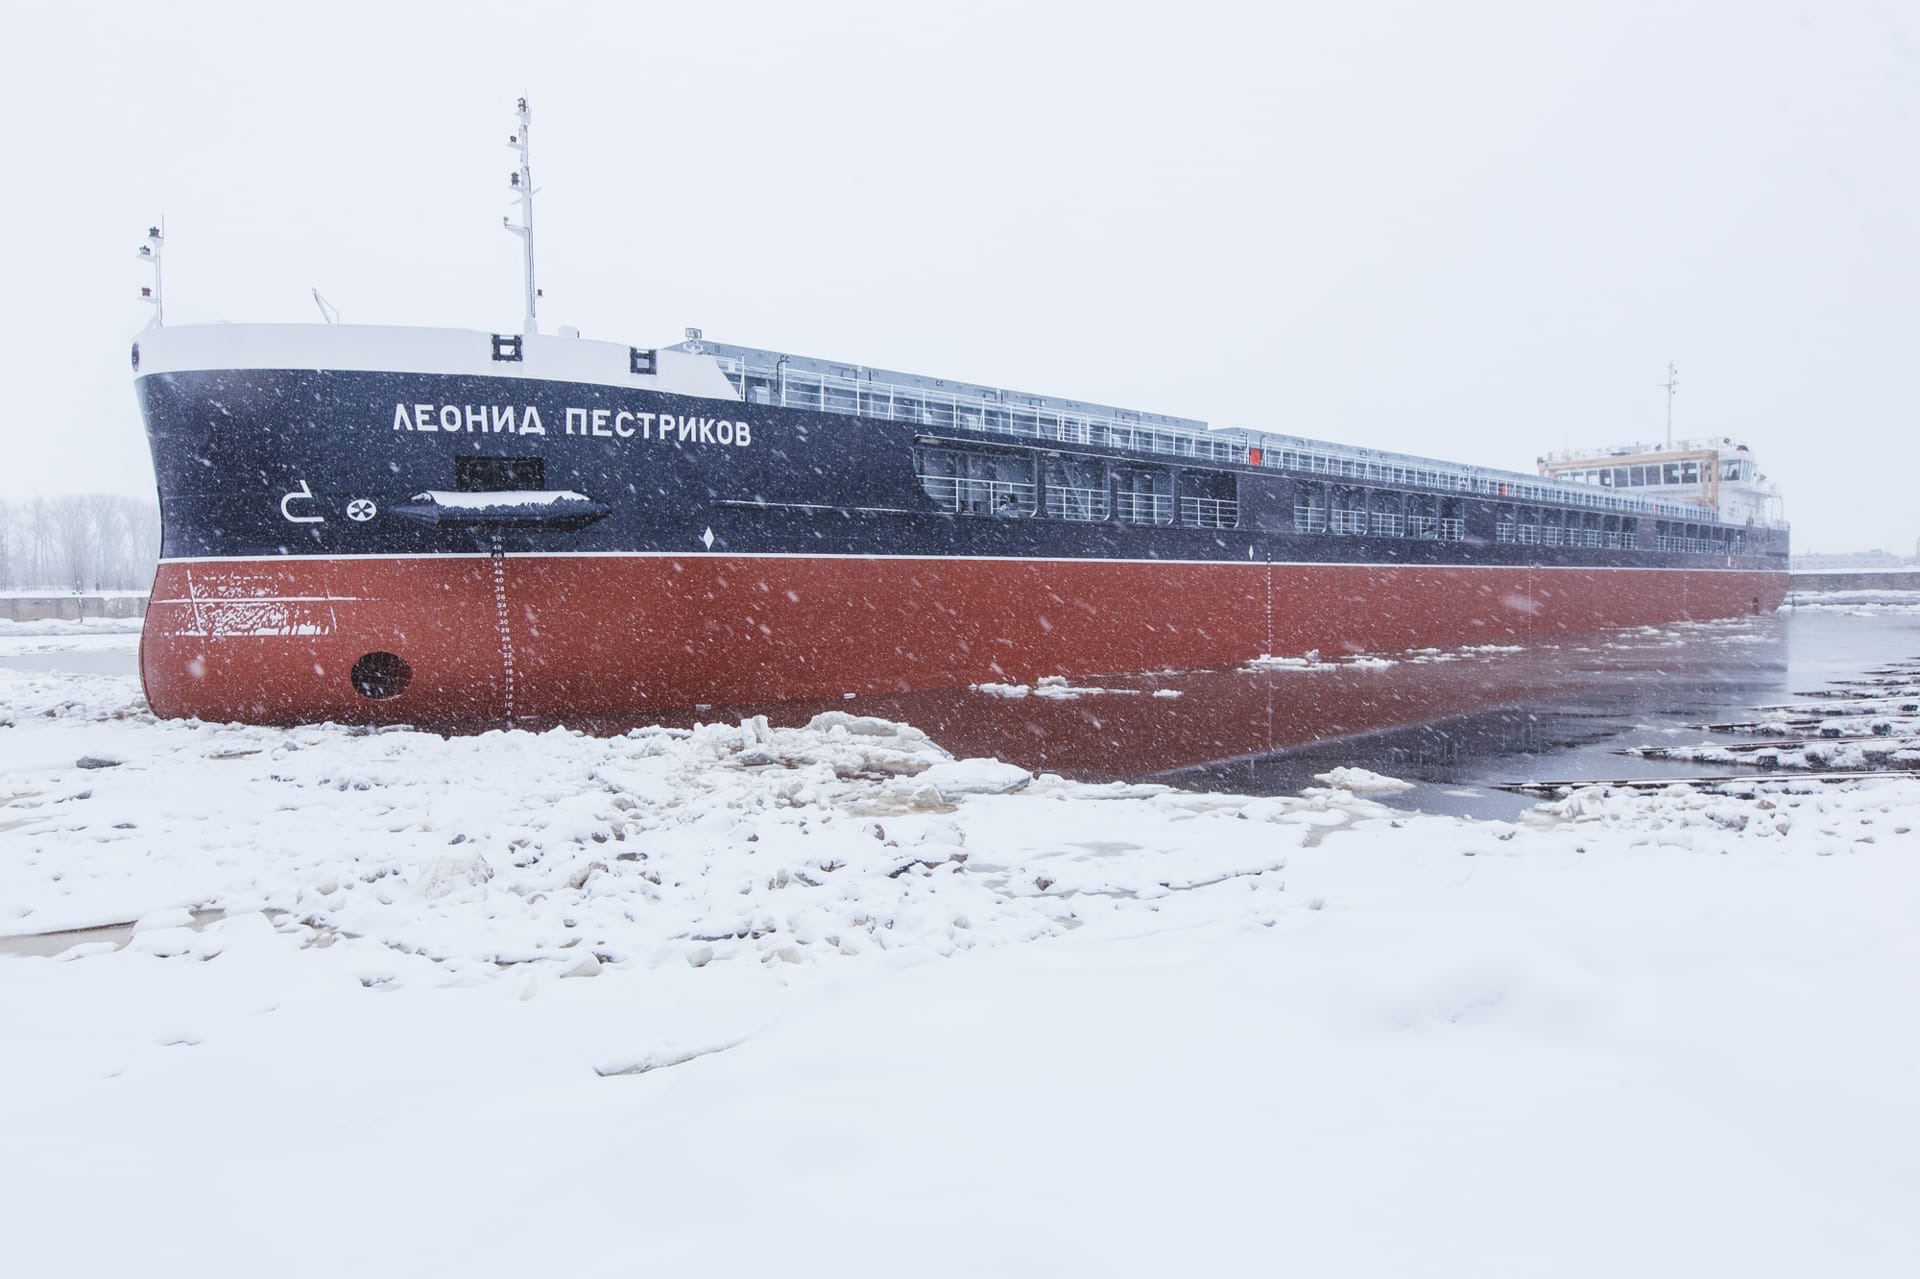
(1672, 384)
(150, 254)
(328, 311)
(522, 184)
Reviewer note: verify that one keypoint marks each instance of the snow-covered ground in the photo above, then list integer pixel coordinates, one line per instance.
(750, 1000)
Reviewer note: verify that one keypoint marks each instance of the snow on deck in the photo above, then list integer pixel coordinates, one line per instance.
(826, 1000)
(500, 499)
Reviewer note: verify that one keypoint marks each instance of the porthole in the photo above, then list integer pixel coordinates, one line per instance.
(379, 676)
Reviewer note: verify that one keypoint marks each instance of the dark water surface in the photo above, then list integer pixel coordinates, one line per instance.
(1565, 714)
(1455, 724)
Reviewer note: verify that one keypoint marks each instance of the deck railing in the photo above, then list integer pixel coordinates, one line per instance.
(1065, 503)
(1145, 508)
(978, 497)
(1209, 512)
(1352, 522)
(1004, 413)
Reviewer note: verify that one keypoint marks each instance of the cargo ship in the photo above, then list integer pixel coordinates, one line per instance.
(438, 526)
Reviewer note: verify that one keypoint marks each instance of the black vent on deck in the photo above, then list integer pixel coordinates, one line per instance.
(644, 361)
(498, 474)
(506, 346)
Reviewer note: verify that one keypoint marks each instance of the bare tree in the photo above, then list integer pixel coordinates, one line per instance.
(39, 543)
(9, 557)
(79, 542)
(140, 523)
(76, 541)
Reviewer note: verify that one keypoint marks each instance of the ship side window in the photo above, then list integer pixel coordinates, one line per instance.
(499, 474)
(1145, 494)
(1690, 472)
(1310, 508)
(939, 472)
(976, 483)
(1076, 489)
(1385, 517)
(1209, 499)
(1423, 520)
(1349, 510)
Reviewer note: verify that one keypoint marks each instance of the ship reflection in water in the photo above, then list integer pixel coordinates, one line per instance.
(1454, 720)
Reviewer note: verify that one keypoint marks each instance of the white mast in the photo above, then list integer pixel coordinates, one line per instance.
(150, 254)
(522, 183)
(1671, 384)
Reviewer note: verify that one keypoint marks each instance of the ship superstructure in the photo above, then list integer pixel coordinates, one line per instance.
(1719, 473)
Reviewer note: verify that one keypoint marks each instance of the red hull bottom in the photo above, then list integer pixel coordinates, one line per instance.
(549, 638)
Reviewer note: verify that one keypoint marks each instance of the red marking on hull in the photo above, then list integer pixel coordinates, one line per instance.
(274, 641)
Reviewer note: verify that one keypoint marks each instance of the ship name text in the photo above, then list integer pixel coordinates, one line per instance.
(612, 424)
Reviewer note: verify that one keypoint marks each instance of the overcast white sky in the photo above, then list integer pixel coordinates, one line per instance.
(1474, 231)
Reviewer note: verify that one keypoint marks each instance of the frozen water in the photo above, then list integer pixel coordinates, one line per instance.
(827, 999)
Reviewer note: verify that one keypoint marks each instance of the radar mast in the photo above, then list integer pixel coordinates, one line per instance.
(522, 183)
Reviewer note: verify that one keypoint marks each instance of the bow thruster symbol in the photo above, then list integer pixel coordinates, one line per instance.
(361, 509)
(301, 494)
